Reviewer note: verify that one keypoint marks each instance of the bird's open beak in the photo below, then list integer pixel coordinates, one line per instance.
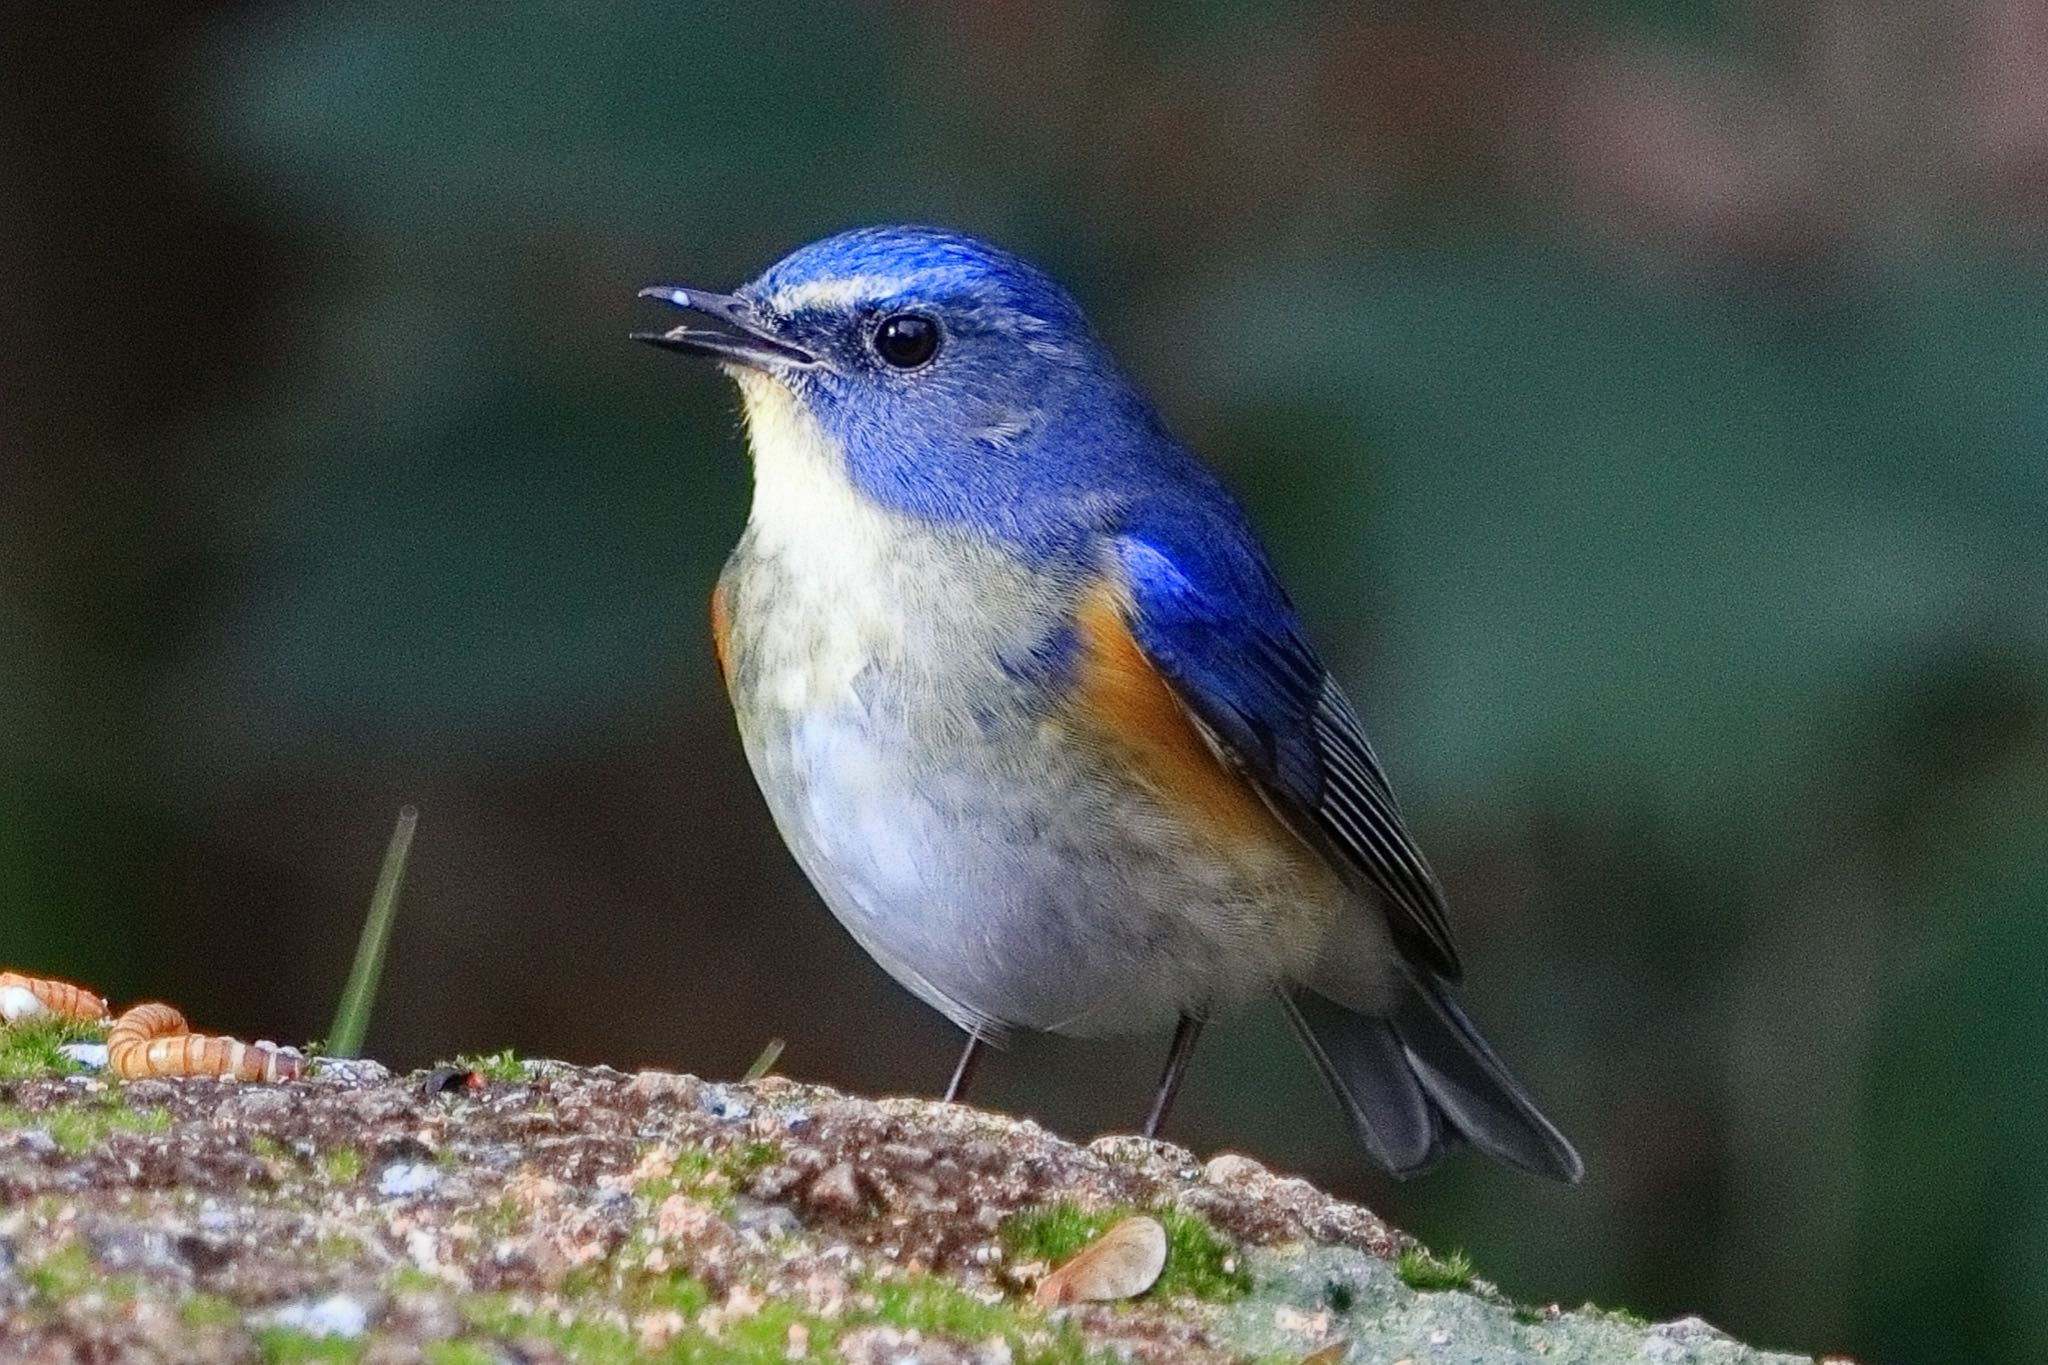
(745, 339)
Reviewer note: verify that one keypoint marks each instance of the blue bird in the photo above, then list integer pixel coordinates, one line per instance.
(1033, 712)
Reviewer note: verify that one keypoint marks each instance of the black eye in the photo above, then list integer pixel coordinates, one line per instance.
(906, 340)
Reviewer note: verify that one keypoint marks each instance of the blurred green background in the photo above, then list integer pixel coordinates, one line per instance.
(1646, 401)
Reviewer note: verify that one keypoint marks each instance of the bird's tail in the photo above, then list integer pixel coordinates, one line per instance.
(1419, 1083)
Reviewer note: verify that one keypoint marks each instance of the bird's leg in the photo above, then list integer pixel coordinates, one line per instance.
(963, 1073)
(1184, 1035)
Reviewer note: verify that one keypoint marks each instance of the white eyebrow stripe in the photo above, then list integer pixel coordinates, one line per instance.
(836, 293)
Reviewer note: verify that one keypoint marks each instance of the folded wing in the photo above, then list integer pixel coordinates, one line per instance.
(1218, 627)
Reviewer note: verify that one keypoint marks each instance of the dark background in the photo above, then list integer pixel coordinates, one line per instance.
(1646, 402)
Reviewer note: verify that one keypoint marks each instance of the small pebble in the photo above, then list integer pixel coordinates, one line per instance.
(681, 1219)
(407, 1178)
(351, 1070)
(906, 1154)
(763, 1223)
(1231, 1169)
(376, 1106)
(337, 1315)
(265, 1103)
(130, 1247)
(835, 1190)
(773, 1182)
(91, 1056)
(721, 1103)
(666, 1085)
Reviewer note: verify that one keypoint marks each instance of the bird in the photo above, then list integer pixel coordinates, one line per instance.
(1033, 712)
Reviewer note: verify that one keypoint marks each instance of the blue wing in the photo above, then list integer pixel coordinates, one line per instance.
(1213, 619)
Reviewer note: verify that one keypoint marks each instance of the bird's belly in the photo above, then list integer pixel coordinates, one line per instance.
(986, 852)
(1014, 885)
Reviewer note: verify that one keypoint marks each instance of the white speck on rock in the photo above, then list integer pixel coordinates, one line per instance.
(720, 1102)
(337, 1315)
(404, 1178)
(424, 1250)
(353, 1070)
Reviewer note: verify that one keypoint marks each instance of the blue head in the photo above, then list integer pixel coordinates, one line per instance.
(954, 382)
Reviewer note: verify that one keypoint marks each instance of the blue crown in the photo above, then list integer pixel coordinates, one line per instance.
(927, 262)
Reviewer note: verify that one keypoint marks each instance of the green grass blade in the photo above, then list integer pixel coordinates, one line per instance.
(352, 1020)
(767, 1059)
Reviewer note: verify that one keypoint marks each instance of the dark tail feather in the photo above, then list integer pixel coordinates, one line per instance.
(1421, 1083)
(1362, 1060)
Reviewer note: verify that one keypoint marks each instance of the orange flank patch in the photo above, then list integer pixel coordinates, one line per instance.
(1136, 709)
(721, 633)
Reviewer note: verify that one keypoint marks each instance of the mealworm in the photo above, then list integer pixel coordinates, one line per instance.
(30, 997)
(154, 1040)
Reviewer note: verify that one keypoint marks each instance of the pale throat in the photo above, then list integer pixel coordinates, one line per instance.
(858, 582)
(806, 506)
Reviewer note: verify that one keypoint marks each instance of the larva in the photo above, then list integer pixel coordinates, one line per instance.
(154, 1040)
(30, 997)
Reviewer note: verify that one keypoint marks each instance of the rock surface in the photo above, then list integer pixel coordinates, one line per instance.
(590, 1215)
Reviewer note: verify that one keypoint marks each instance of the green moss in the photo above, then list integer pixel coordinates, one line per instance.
(683, 1294)
(461, 1353)
(1199, 1262)
(713, 1174)
(743, 1162)
(929, 1304)
(337, 1248)
(287, 1346)
(502, 1066)
(269, 1148)
(208, 1310)
(1623, 1316)
(29, 1049)
(760, 1339)
(63, 1274)
(410, 1279)
(79, 1127)
(588, 1341)
(342, 1165)
(585, 1281)
(938, 1307)
(498, 1220)
(1428, 1273)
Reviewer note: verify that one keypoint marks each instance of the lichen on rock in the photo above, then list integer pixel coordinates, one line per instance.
(562, 1213)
